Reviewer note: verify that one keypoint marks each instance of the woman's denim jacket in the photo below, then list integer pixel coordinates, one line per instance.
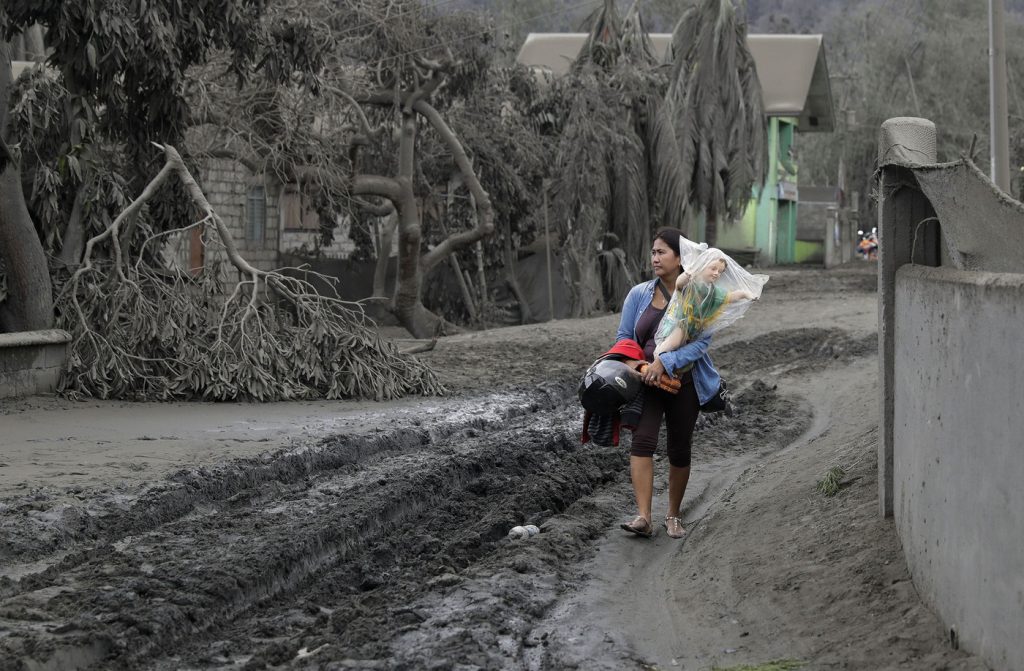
(705, 378)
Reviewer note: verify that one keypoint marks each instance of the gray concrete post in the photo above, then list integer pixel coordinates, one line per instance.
(903, 142)
(998, 118)
(832, 248)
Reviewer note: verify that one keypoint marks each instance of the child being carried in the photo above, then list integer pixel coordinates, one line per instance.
(711, 293)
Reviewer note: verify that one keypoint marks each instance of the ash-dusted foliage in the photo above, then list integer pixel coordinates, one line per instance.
(592, 142)
(611, 185)
(238, 80)
(647, 144)
(160, 337)
(145, 333)
(714, 97)
(512, 155)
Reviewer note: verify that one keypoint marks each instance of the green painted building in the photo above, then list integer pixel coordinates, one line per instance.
(769, 224)
(797, 99)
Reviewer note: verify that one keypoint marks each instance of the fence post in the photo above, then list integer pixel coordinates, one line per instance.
(903, 142)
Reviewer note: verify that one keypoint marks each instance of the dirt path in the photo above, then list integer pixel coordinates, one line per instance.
(360, 536)
(770, 569)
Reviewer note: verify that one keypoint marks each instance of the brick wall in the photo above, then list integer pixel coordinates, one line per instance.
(229, 187)
(289, 227)
(233, 193)
(298, 240)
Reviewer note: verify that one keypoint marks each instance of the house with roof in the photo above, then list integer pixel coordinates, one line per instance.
(797, 99)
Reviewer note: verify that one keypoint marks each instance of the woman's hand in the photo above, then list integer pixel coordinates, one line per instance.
(653, 372)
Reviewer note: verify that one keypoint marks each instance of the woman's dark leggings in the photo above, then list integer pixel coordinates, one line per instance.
(680, 412)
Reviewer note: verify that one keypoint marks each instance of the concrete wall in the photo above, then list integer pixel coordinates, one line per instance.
(951, 365)
(742, 234)
(958, 466)
(813, 216)
(809, 251)
(31, 361)
(840, 237)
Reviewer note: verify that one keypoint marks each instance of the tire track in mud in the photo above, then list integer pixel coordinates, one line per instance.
(107, 517)
(219, 561)
(386, 552)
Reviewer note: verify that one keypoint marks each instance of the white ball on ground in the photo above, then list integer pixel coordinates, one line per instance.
(518, 532)
(532, 529)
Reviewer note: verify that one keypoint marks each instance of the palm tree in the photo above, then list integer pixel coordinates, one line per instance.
(603, 165)
(646, 144)
(714, 100)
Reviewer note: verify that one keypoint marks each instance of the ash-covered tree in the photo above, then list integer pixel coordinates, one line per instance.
(407, 70)
(714, 100)
(440, 115)
(502, 122)
(92, 180)
(26, 300)
(647, 143)
(611, 152)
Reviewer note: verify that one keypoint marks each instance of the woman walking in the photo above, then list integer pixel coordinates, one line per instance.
(641, 314)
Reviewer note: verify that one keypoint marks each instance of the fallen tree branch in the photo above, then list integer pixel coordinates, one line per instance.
(139, 331)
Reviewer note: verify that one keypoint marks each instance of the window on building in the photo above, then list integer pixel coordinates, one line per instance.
(296, 212)
(256, 214)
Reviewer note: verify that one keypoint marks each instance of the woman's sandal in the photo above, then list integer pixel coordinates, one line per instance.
(674, 527)
(640, 526)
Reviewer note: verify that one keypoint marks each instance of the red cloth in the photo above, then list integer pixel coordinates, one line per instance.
(627, 348)
(616, 425)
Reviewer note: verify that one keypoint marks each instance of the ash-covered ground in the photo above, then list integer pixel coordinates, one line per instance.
(379, 540)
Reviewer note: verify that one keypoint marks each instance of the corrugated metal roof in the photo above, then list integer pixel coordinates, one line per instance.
(791, 68)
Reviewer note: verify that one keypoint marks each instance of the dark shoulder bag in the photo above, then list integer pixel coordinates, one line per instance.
(721, 401)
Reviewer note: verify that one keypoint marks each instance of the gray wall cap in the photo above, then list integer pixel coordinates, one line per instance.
(906, 141)
(28, 338)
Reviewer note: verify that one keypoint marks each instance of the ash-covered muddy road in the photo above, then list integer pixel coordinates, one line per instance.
(382, 543)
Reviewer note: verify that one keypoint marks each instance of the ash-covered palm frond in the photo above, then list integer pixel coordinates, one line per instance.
(615, 77)
(670, 140)
(714, 101)
(672, 174)
(635, 195)
(585, 163)
(636, 45)
(630, 223)
(604, 40)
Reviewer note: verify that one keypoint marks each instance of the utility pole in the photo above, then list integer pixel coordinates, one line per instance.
(547, 253)
(998, 122)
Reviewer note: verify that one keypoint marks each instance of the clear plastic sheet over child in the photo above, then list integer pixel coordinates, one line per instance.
(712, 292)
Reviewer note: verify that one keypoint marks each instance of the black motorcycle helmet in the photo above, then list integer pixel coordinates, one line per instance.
(607, 386)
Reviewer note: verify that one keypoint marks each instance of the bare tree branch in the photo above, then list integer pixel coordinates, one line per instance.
(484, 209)
(376, 209)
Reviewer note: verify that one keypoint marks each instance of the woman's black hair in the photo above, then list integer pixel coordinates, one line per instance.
(670, 236)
